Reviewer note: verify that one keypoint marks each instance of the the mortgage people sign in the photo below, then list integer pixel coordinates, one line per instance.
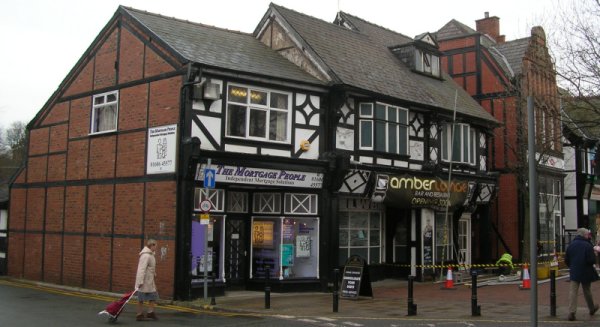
(407, 191)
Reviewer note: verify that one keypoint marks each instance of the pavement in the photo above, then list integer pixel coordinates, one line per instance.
(499, 301)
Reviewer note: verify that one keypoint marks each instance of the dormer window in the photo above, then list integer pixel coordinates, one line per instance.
(427, 62)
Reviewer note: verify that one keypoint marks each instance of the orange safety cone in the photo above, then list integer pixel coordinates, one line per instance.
(526, 285)
(449, 284)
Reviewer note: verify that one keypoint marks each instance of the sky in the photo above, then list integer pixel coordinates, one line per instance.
(42, 40)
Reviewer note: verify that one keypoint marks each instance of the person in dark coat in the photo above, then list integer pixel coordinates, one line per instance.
(580, 258)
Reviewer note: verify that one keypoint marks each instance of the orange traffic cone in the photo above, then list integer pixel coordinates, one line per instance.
(449, 284)
(526, 280)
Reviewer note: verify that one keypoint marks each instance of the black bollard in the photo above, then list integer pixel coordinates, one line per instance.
(267, 289)
(213, 289)
(553, 292)
(412, 308)
(475, 309)
(336, 272)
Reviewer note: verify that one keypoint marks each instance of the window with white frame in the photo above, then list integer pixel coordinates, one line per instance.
(360, 234)
(427, 62)
(300, 204)
(383, 128)
(258, 114)
(266, 203)
(463, 146)
(105, 111)
(215, 196)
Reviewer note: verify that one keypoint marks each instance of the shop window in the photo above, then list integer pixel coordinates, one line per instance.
(383, 128)
(237, 202)
(215, 196)
(105, 111)
(360, 234)
(287, 247)
(267, 203)
(209, 236)
(258, 114)
(300, 204)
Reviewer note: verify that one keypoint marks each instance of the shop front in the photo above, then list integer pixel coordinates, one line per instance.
(258, 224)
(411, 225)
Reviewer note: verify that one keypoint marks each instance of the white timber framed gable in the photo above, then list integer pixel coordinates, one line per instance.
(256, 119)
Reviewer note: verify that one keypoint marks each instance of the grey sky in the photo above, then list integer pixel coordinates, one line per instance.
(42, 40)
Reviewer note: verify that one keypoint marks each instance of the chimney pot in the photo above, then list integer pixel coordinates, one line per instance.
(486, 14)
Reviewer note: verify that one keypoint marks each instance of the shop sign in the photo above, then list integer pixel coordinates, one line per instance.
(408, 191)
(162, 149)
(262, 176)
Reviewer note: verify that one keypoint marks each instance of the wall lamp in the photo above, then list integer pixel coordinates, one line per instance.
(206, 91)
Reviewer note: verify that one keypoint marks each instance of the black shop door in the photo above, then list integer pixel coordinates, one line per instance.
(236, 251)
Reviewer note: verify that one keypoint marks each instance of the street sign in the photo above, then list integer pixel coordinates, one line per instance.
(210, 175)
(205, 206)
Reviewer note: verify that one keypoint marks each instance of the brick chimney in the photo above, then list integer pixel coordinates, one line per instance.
(490, 26)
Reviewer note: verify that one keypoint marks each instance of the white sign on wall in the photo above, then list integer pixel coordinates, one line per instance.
(262, 176)
(162, 149)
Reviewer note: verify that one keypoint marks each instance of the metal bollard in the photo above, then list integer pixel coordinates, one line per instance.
(412, 308)
(336, 273)
(552, 292)
(213, 289)
(267, 289)
(475, 309)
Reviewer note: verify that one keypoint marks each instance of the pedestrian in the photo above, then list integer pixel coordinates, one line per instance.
(144, 281)
(580, 259)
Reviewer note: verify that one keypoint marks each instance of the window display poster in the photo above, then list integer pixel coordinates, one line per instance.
(288, 230)
(287, 255)
(303, 246)
(262, 234)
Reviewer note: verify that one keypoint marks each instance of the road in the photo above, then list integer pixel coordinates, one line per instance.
(23, 304)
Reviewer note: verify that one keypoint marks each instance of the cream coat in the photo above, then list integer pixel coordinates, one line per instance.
(146, 271)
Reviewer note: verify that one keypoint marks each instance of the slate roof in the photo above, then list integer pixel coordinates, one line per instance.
(453, 29)
(219, 48)
(361, 58)
(514, 51)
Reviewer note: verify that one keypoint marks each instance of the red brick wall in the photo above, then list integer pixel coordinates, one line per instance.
(77, 163)
(92, 206)
(58, 138)
(131, 58)
(131, 154)
(102, 156)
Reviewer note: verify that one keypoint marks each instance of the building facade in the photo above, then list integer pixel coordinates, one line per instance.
(501, 75)
(277, 154)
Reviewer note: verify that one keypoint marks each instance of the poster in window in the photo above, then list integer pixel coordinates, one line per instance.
(287, 255)
(262, 234)
(303, 246)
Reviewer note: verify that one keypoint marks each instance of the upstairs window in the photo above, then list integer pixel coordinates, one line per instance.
(258, 114)
(105, 111)
(426, 62)
(463, 145)
(383, 128)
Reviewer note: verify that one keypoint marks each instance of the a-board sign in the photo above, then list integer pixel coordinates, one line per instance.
(355, 279)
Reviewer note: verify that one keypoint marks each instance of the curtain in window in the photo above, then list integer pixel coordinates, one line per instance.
(107, 118)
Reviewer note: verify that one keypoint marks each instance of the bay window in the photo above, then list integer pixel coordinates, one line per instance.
(463, 146)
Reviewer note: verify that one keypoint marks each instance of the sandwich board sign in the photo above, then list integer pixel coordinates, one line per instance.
(355, 279)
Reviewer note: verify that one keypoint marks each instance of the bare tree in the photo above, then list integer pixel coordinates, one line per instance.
(13, 142)
(576, 47)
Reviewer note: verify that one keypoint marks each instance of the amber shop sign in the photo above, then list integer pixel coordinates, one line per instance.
(436, 193)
